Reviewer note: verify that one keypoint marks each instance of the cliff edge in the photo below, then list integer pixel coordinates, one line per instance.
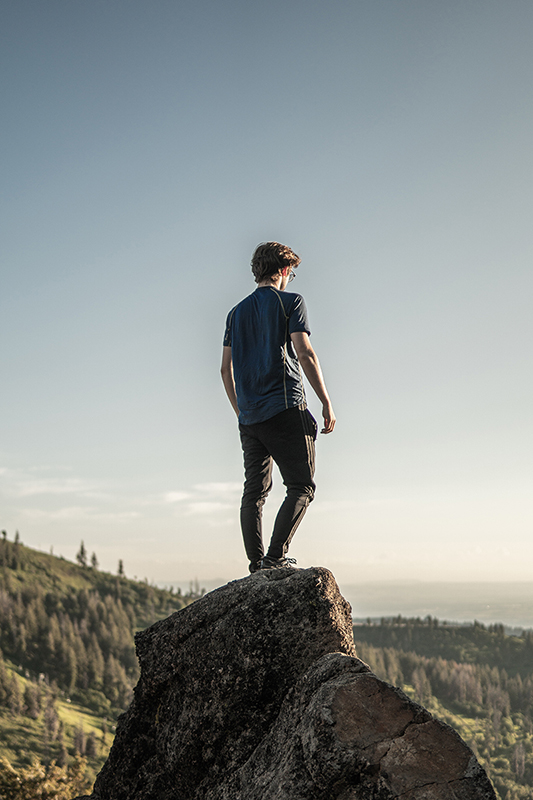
(254, 692)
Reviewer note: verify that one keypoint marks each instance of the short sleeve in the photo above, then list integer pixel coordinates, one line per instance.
(298, 320)
(227, 332)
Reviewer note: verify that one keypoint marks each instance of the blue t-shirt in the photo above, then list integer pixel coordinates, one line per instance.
(266, 369)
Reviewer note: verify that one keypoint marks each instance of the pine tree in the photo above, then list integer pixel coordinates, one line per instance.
(62, 760)
(32, 700)
(72, 668)
(51, 720)
(121, 568)
(80, 740)
(94, 561)
(519, 760)
(91, 750)
(421, 684)
(81, 556)
(4, 683)
(15, 697)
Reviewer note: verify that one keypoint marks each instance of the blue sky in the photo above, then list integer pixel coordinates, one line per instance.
(147, 149)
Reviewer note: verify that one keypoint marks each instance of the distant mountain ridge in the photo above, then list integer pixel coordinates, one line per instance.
(489, 602)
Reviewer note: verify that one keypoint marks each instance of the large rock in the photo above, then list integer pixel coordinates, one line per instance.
(254, 693)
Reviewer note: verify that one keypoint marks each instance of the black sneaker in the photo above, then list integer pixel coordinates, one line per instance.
(254, 566)
(277, 563)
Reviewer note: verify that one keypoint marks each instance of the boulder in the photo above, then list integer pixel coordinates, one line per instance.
(254, 692)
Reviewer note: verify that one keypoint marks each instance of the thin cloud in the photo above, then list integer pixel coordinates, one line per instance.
(208, 499)
(66, 486)
(176, 497)
(214, 499)
(79, 513)
(51, 486)
(207, 507)
(218, 488)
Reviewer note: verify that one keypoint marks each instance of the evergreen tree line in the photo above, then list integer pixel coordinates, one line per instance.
(81, 639)
(39, 700)
(467, 644)
(29, 702)
(473, 687)
(498, 705)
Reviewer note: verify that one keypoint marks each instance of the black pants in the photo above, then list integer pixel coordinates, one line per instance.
(289, 440)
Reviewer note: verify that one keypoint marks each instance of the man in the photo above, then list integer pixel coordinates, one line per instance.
(265, 343)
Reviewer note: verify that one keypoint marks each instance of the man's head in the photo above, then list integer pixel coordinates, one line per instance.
(272, 258)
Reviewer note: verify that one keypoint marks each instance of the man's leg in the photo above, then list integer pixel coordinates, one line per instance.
(292, 447)
(257, 484)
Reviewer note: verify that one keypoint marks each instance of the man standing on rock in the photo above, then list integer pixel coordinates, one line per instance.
(265, 343)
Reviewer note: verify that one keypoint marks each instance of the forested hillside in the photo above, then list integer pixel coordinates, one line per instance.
(68, 666)
(477, 679)
(67, 660)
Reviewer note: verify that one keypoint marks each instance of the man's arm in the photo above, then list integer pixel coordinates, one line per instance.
(311, 367)
(226, 370)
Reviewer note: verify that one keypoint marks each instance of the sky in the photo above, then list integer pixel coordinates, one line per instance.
(147, 149)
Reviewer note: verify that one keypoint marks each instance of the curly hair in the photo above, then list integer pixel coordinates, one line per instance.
(270, 257)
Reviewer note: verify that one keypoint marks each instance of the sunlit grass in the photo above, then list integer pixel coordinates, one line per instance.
(23, 738)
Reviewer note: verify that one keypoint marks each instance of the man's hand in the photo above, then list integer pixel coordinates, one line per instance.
(329, 418)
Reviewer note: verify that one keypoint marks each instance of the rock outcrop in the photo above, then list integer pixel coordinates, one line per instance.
(254, 692)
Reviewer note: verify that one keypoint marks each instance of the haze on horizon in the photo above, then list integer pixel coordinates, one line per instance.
(147, 149)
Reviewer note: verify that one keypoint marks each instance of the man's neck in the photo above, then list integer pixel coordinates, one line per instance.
(272, 284)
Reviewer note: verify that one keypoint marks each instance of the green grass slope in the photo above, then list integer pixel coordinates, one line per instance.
(67, 659)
